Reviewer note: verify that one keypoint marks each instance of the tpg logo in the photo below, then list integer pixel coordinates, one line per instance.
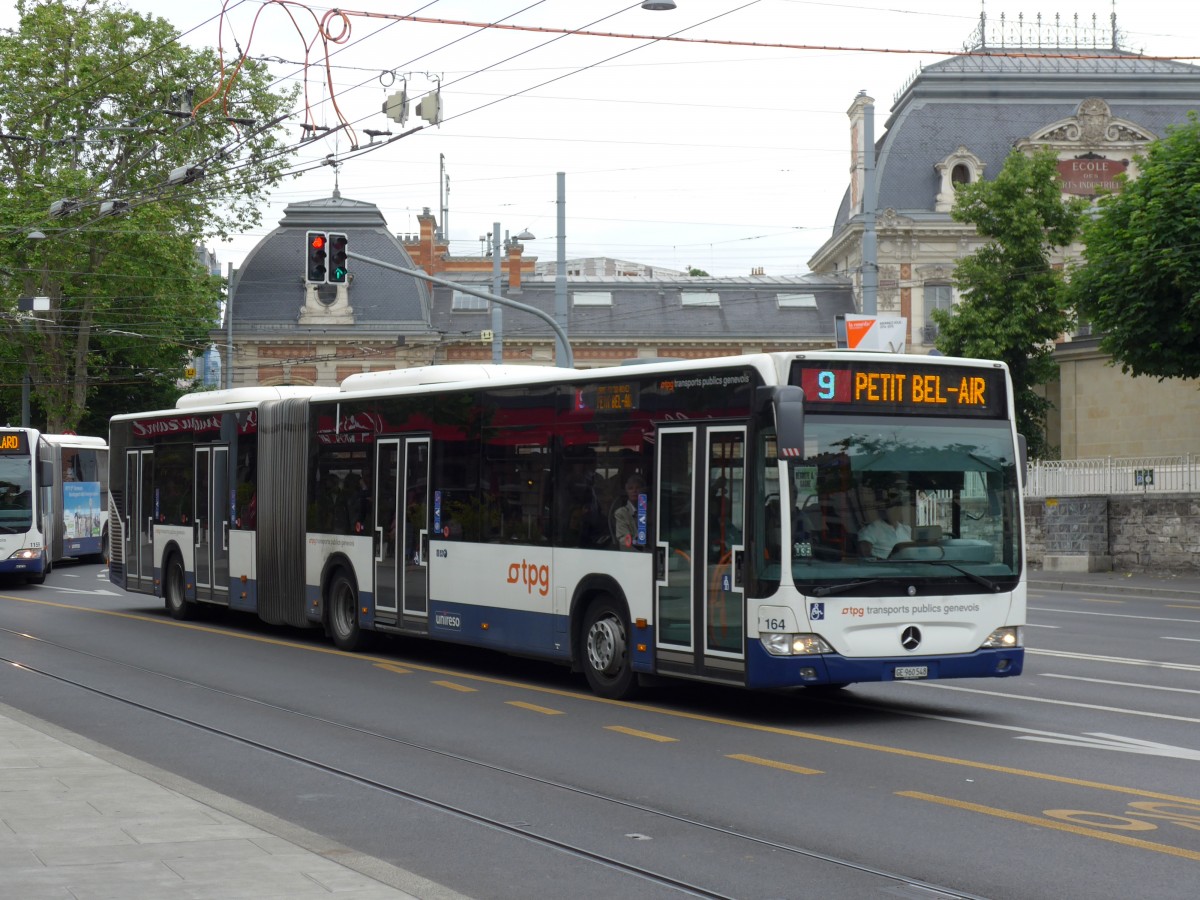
(530, 575)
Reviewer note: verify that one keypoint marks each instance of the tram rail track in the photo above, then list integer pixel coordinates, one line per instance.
(894, 884)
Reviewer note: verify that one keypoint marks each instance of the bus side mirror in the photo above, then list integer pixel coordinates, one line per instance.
(45, 472)
(1023, 450)
(787, 403)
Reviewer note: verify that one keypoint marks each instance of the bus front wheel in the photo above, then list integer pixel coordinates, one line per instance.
(606, 651)
(343, 613)
(175, 590)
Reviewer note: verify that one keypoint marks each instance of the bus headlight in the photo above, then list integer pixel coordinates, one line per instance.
(1004, 638)
(27, 553)
(794, 644)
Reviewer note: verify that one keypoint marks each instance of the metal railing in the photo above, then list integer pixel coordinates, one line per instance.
(1114, 475)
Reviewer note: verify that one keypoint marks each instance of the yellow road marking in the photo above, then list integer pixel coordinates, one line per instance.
(775, 764)
(1098, 600)
(544, 710)
(581, 696)
(392, 667)
(1051, 823)
(648, 735)
(1183, 606)
(465, 689)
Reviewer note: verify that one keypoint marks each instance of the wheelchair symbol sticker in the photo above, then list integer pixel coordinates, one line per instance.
(816, 611)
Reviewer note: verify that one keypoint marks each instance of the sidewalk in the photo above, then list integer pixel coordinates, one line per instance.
(79, 820)
(1118, 583)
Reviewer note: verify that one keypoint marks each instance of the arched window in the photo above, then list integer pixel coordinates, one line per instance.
(960, 167)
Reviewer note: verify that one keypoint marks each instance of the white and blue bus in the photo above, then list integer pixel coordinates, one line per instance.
(769, 520)
(53, 501)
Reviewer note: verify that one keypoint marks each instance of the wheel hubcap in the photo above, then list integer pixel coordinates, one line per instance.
(606, 646)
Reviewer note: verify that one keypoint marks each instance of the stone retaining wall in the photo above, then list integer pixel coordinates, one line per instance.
(1128, 532)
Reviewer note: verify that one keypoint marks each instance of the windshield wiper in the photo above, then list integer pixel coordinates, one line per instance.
(827, 590)
(978, 579)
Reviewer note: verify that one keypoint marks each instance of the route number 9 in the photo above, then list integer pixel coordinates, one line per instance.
(827, 383)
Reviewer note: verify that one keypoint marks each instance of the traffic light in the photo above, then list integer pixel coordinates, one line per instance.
(317, 243)
(337, 258)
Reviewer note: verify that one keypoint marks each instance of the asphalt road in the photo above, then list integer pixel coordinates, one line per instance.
(505, 778)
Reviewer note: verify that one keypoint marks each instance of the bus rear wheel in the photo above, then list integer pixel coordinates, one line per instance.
(175, 590)
(343, 612)
(606, 662)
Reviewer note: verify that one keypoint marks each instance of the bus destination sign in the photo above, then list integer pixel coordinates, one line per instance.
(15, 442)
(922, 389)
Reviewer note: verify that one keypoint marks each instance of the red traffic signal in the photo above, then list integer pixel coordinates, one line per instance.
(316, 271)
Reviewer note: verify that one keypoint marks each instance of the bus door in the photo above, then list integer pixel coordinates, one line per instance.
(210, 524)
(415, 535)
(387, 553)
(700, 500)
(137, 527)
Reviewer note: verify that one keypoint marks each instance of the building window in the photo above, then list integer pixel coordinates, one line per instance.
(796, 301)
(592, 298)
(700, 298)
(467, 302)
(960, 174)
(937, 296)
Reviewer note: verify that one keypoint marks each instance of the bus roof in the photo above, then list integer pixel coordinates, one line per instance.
(75, 440)
(447, 374)
(249, 395)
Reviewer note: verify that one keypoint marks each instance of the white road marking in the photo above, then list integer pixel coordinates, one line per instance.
(1089, 612)
(1092, 657)
(1132, 684)
(1092, 740)
(1112, 709)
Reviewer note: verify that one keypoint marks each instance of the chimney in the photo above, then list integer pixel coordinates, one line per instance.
(862, 107)
(515, 249)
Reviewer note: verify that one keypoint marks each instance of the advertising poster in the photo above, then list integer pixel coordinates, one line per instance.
(82, 525)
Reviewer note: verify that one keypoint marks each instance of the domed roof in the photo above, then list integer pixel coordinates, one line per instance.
(269, 288)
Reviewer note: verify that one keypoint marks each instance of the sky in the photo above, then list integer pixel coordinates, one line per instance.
(720, 152)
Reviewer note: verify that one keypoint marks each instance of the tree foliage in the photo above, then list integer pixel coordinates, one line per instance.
(1139, 285)
(102, 104)
(1014, 304)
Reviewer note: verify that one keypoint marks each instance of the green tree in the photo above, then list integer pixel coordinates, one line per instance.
(101, 104)
(1139, 285)
(697, 273)
(1014, 304)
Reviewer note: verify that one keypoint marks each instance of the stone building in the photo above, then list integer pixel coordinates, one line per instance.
(285, 331)
(1019, 87)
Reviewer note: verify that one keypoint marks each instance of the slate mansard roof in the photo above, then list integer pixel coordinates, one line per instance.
(987, 101)
(746, 309)
(269, 292)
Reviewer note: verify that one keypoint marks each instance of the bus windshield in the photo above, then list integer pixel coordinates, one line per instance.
(16, 494)
(881, 498)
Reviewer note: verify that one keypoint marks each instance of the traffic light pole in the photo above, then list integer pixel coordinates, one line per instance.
(565, 360)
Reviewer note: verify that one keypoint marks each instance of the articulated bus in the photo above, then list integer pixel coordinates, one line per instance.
(53, 501)
(764, 521)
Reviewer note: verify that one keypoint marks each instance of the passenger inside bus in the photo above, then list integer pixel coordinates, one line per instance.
(625, 516)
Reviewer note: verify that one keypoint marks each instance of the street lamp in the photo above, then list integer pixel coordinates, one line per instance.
(658, 5)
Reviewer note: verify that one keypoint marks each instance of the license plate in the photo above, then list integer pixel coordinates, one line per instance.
(912, 672)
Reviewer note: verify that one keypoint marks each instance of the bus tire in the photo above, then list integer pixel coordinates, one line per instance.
(40, 579)
(175, 590)
(606, 659)
(343, 612)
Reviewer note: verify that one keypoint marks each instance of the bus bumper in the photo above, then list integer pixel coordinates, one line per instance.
(26, 561)
(765, 670)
